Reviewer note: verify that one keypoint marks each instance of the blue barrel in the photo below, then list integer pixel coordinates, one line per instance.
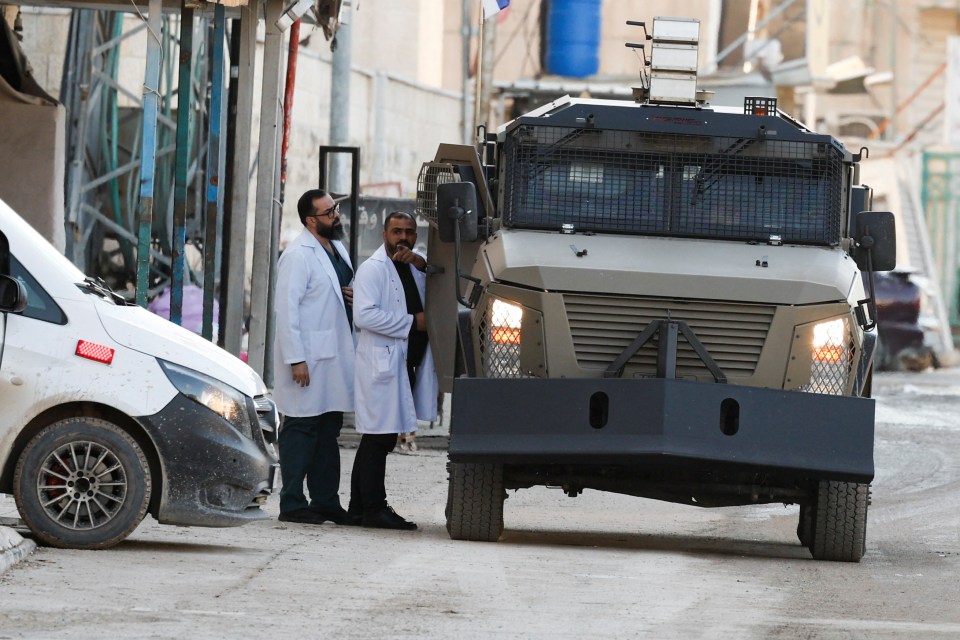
(573, 38)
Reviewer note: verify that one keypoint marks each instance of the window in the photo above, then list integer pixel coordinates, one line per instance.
(40, 306)
(665, 184)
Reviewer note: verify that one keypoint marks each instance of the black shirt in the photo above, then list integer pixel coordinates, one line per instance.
(416, 340)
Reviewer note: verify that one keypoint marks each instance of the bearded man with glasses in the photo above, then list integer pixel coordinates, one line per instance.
(313, 359)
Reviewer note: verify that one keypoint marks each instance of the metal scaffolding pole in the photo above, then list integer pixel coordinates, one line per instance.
(184, 101)
(214, 171)
(235, 277)
(265, 245)
(148, 151)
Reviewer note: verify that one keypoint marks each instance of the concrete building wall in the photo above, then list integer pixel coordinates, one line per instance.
(44, 38)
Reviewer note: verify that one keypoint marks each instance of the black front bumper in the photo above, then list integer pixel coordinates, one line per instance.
(663, 423)
(212, 475)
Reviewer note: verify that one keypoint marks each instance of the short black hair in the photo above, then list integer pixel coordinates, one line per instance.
(398, 214)
(305, 203)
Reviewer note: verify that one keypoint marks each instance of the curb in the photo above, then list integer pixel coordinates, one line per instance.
(13, 548)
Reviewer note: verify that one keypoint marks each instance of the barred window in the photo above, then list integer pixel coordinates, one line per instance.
(678, 185)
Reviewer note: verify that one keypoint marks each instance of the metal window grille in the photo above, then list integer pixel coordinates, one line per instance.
(677, 185)
(499, 331)
(832, 361)
(432, 175)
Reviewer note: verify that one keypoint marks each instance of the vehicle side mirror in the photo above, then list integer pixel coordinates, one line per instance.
(13, 295)
(457, 207)
(876, 236)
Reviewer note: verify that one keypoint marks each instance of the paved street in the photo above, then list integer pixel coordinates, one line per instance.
(596, 566)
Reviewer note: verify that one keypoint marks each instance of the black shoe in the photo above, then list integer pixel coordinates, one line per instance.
(303, 516)
(387, 518)
(337, 516)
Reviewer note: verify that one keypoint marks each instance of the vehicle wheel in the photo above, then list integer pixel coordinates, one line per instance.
(805, 525)
(475, 498)
(881, 361)
(82, 483)
(840, 523)
(868, 385)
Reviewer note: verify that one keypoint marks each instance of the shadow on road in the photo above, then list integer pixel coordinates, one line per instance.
(176, 547)
(649, 542)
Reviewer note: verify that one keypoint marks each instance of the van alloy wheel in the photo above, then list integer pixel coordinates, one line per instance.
(82, 483)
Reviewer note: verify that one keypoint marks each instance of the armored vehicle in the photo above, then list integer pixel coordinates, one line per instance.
(657, 298)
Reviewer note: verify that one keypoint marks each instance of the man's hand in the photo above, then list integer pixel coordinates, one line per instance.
(407, 256)
(421, 321)
(301, 374)
(347, 295)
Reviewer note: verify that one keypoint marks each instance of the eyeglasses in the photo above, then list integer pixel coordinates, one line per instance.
(329, 213)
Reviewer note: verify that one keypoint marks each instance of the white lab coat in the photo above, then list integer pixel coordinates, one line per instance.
(311, 327)
(384, 401)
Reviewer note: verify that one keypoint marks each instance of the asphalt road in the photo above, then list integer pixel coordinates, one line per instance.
(599, 565)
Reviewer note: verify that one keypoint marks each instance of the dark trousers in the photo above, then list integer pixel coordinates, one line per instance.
(367, 491)
(309, 449)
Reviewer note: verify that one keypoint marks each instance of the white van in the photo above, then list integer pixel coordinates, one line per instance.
(109, 412)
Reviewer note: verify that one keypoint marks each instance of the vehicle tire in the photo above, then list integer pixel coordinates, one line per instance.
(805, 525)
(881, 360)
(82, 483)
(840, 523)
(868, 385)
(475, 498)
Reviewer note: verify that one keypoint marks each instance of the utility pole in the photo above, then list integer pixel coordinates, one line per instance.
(485, 72)
(466, 31)
(339, 179)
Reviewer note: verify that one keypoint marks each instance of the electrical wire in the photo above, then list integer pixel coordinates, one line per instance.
(156, 36)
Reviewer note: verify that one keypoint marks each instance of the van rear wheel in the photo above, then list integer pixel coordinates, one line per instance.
(475, 498)
(82, 483)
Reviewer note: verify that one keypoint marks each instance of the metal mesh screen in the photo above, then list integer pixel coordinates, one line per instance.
(678, 185)
(500, 340)
(432, 175)
(832, 358)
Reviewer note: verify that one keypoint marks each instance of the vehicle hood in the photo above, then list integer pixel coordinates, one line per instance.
(672, 267)
(143, 331)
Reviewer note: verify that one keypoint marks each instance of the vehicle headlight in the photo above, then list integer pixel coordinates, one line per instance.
(506, 321)
(831, 357)
(829, 340)
(500, 334)
(220, 398)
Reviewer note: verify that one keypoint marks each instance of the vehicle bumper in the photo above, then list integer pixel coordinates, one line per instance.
(663, 423)
(212, 475)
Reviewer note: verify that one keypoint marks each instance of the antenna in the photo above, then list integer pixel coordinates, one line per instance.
(642, 92)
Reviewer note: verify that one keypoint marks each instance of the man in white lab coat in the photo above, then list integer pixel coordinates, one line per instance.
(396, 382)
(313, 362)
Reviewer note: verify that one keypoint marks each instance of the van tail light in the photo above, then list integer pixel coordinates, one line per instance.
(94, 351)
